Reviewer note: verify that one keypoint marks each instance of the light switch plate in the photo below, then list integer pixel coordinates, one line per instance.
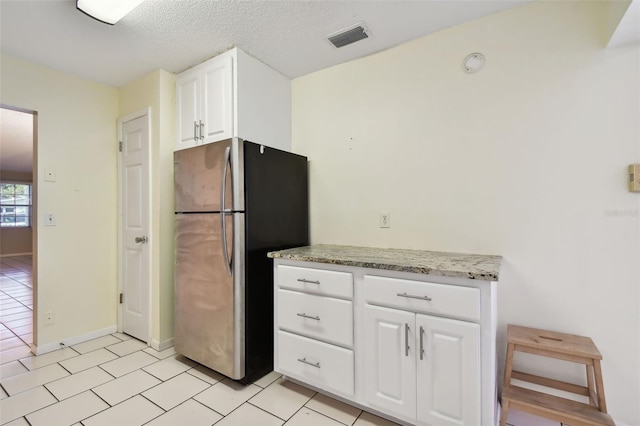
(634, 177)
(49, 174)
(50, 219)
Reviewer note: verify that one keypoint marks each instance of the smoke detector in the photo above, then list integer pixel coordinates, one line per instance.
(349, 35)
(473, 62)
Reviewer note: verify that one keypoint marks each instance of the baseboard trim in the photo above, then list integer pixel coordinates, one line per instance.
(50, 347)
(16, 254)
(161, 346)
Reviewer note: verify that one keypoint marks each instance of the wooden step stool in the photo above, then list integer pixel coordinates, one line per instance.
(567, 347)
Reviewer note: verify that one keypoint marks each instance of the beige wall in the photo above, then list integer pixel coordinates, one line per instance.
(525, 159)
(157, 91)
(76, 137)
(14, 241)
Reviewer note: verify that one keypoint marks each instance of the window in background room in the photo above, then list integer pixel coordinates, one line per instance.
(15, 204)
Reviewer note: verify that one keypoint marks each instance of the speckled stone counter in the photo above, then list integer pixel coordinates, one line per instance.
(472, 266)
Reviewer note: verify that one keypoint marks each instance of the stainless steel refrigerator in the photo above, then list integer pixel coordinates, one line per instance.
(235, 201)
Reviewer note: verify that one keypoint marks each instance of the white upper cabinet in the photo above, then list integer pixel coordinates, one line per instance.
(217, 102)
(233, 95)
(188, 97)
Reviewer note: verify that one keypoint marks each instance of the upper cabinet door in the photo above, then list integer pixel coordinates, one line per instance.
(448, 371)
(218, 97)
(188, 100)
(390, 363)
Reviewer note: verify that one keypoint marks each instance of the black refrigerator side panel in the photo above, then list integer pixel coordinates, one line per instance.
(277, 217)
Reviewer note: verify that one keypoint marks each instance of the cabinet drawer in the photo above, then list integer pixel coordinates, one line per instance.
(445, 300)
(320, 364)
(318, 317)
(318, 281)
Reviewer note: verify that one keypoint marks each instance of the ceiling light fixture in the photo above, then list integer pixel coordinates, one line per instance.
(107, 11)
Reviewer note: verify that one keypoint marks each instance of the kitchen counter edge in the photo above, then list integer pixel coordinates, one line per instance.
(446, 264)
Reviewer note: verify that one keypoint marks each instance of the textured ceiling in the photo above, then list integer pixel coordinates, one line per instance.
(177, 34)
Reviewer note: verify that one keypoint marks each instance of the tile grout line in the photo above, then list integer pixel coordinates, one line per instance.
(205, 405)
(164, 411)
(101, 411)
(41, 408)
(271, 414)
(263, 389)
(326, 415)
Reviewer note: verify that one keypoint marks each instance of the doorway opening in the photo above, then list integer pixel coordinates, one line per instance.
(18, 229)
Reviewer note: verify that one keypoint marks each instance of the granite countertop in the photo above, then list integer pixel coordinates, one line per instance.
(472, 266)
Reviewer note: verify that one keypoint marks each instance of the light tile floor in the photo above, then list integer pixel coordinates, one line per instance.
(117, 380)
(16, 305)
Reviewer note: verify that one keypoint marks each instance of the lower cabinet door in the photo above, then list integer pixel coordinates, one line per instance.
(448, 364)
(390, 363)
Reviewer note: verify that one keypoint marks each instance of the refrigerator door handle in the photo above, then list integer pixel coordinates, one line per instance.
(223, 210)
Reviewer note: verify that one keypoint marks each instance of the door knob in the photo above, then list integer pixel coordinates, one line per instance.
(142, 240)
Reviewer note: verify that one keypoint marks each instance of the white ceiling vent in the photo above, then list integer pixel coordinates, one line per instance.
(349, 35)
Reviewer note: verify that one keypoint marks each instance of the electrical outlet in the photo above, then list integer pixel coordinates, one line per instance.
(49, 318)
(385, 220)
(50, 219)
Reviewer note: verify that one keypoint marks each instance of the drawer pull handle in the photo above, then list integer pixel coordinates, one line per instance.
(303, 280)
(304, 361)
(303, 315)
(411, 296)
(421, 342)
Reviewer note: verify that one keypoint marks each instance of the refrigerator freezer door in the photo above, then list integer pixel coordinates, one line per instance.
(199, 177)
(209, 308)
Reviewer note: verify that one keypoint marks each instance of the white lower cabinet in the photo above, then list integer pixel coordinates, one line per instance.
(422, 367)
(448, 372)
(390, 383)
(399, 344)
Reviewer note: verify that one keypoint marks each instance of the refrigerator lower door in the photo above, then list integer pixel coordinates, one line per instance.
(209, 308)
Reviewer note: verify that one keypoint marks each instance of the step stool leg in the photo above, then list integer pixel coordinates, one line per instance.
(507, 382)
(591, 386)
(602, 403)
(503, 412)
(508, 365)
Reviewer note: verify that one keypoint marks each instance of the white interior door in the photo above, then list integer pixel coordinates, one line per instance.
(135, 250)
